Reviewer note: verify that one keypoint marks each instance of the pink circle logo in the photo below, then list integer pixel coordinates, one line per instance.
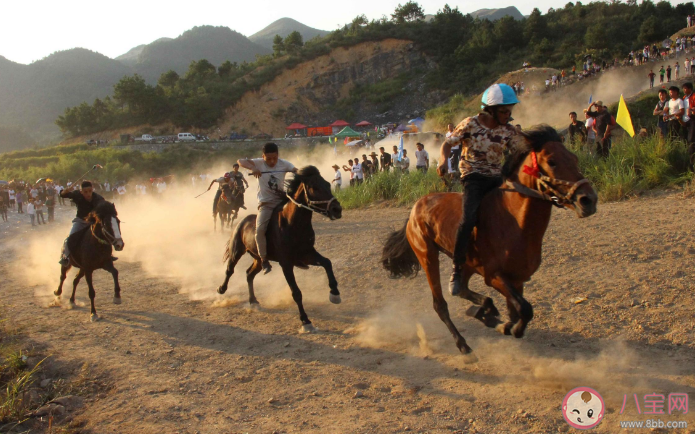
(583, 408)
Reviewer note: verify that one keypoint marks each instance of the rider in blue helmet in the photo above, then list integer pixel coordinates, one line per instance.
(484, 139)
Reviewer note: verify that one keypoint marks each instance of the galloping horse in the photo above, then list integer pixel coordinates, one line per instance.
(290, 237)
(506, 247)
(90, 249)
(228, 205)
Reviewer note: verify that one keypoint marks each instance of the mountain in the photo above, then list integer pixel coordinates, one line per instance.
(215, 44)
(496, 14)
(283, 27)
(32, 96)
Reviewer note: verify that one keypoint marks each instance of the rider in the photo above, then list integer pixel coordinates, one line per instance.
(483, 138)
(270, 171)
(86, 200)
(226, 179)
(240, 181)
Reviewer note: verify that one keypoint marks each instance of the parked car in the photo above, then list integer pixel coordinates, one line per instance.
(145, 138)
(186, 137)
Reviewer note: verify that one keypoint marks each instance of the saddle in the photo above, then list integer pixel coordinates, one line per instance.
(74, 242)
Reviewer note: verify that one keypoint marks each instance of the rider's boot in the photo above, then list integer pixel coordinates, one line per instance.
(113, 258)
(455, 281)
(267, 268)
(64, 261)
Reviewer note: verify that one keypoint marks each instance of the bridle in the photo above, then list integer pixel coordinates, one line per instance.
(546, 184)
(110, 238)
(311, 204)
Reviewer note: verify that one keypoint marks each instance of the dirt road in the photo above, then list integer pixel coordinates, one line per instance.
(175, 357)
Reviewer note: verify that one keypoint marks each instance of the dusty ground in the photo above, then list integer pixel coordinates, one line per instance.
(176, 358)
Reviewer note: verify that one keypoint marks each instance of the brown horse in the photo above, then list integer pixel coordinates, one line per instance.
(506, 247)
(228, 205)
(90, 250)
(290, 237)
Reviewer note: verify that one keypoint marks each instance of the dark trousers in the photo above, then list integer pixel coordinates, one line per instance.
(475, 187)
(214, 202)
(603, 147)
(39, 217)
(651, 83)
(19, 208)
(455, 157)
(51, 215)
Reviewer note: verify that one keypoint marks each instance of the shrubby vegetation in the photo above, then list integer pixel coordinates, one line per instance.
(470, 54)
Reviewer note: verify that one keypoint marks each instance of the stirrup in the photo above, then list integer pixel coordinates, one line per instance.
(113, 258)
(64, 261)
(267, 268)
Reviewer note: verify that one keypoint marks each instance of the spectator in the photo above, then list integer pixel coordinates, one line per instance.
(366, 167)
(3, 208)
(651, 76)
(358, 172)
(677, 69)
(20, 200)
(385, 160)
(603, 125)
(674, 112)
(338, 179)
(394, 158)
(50, 206)
(13, 198)
(577, 130)
(590, 131)
(405, 162)
(660, 112)
(34, 192)
(686, 66)
(375, 162)
(422, 158)
(31, 211)
(352, 172)
(38, 209)
(662, 71)
(668, 74)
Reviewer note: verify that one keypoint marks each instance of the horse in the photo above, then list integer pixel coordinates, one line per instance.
(228, 205)
(290, 238)
(91, 250)
(506, 245)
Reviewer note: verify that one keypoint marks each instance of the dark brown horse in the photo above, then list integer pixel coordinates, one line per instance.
(91, 250)
(228, 205)
(506, 247)
(290, 237)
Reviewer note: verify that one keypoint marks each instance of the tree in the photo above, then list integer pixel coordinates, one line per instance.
(225, 69)
(129, 90)
(293, 42)
(535, 27)
(168, 79)
(357, 23)
(650, 30)
(200, 70)
(410, 11)
(278, 45)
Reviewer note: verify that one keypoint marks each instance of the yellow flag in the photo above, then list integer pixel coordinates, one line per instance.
(623, 118)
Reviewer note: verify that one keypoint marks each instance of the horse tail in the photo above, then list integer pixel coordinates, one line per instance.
(235, 245)
(398, 256)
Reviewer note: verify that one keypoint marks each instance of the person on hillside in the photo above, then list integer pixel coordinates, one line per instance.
(574, 69)
(576, 130)
(677, 70)
(20, 201)
(668, 74)
(604, 125)
(348, 168)
(385, 160)
(689, 100)
(405, 162)
(3, 208)
(31, 211)
(13, 197)
(86, 201)
(651, 76)
(422, 158)
(338, 178)
(50, 206)
(660, 112)
(483, 138)
(375, 163)
(270, 171)
(38, 209)
(662, 72)
(674, 112)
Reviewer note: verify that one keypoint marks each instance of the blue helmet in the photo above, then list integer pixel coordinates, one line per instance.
(499, 94)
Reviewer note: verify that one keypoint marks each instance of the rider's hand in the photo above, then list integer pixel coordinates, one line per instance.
(442, 169)
(257, 173)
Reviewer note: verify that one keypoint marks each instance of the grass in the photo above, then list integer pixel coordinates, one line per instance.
(633, 167)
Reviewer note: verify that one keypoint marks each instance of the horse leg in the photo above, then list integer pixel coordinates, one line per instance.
(485, 310)
(116, 287)
(63, 275)
(88, 275)
(288, 271)
(75, 281)
(429, 259)
(254, 269)
(322, 261)
(214, 221)
(520, 310)
(234, 258)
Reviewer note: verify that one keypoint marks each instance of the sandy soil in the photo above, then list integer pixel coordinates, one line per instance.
(175, 357)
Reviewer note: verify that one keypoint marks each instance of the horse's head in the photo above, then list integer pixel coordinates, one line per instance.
(550, 168)
(105, 213)
(228, 193)
(308, 188)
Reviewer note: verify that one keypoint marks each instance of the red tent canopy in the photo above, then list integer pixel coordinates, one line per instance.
(296, 126)
(363, 124)
(339, 123)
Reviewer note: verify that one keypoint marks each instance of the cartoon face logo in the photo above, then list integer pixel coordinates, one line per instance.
(273, 183)
(583, 408)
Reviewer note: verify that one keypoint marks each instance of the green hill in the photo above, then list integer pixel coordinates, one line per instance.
(283, 27)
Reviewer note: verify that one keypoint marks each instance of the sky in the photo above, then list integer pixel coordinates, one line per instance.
(112, 28)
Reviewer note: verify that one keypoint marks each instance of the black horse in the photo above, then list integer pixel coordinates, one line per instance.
(290, 237)
(91, 248)
(228, 205)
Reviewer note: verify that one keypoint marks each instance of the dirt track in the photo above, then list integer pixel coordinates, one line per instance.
(381, 361)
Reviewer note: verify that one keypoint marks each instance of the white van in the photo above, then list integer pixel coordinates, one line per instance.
(186, 137)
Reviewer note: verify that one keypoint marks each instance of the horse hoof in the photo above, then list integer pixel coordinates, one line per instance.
(221, 290)
(94, 317)
(335, 299)
(56, 294)
(469, 358)
(518, 331)
(117, 300)
(71, 305)
(505, 328)
(307, 328)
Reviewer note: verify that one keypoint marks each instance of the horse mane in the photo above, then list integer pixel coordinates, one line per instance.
(305, 172)
(103, 210)
(536, 137)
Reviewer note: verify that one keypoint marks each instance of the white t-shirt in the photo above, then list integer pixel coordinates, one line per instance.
(394, 160)
(270, 184)
(12, 196)
(421, 158)
(34, 193)
(405, 162)
(121, 190)
(674, 106)
(357, 171)
(590, 128)
(30, 208)
(338, 177)
(161, 187)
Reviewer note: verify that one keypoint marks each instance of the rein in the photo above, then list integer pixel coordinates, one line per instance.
(310, 204)
(104, 233)
(545, 183)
